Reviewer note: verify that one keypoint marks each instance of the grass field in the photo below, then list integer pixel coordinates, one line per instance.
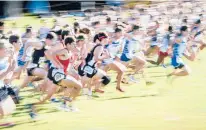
(162, 106)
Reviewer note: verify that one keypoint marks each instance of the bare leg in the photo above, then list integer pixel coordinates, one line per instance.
(71, 82)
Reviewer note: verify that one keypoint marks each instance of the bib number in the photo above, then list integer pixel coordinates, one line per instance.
(42, 61)
(88, 70)
(58, 75)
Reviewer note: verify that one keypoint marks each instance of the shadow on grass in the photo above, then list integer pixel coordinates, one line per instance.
(17, 123)
(126, 97)
(158, 76)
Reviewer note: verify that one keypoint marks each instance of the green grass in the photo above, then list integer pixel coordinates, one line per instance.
(162, 106)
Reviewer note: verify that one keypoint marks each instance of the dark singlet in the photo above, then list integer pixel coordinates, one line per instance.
(89, 68)
(38, 56)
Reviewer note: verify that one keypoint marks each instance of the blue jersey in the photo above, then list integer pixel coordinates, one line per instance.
(130, 47)
(113, 50)
(114, 47)
(179, 48)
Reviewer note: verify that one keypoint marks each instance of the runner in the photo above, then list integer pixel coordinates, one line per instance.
(89, 70)
(37, 67)
(179, 47)
(111, 64)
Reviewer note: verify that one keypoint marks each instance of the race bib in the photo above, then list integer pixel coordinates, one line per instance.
(58, 74)
(88, 70)
(42, 62)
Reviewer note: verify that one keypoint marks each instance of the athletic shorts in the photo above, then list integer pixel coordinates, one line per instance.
(177, 62)
(82, 73)
(30, 70)
(165, 54)
(124, 58)
(55, 75)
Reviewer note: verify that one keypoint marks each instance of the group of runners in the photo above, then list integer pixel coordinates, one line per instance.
(75, 59)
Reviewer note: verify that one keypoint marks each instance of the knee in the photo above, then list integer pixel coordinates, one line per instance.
(120, 72)
(78, 86)
(105, 80)
(142, 62)
(188, 70)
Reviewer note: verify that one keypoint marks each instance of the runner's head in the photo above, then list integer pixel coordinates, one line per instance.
(2, 49)
(85, 31)
(1, 26)
(170, 29)
(76, 27)
(184, 31)
(58, 31)
(118, 32)
(135, 29)
(80, 39)
(51, 39)
(103, 38)
(197, 22)
(15, 41)
(65, 33)
(28, 31)
(108, 20)
(70, 43)
(96, 24)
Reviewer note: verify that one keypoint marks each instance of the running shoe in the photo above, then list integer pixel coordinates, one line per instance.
(132, 79)
(164, 66)
(31, 85)
(33, 115)
(149, 83)
(64, 107)
(54, 100)
(89, 94)
(73, 109)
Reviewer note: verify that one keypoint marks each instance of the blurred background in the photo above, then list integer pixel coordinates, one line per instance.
(17, 8)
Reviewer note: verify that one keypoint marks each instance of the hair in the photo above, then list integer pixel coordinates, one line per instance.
(95, 23)
(198, 21)
(170, 29)
(108, 19)
(28, 29)
(116, 30)
(13, 38)
(76, 24)
(51, 36)
(183, 28)
(135, 27)
(184, 20)
(65, 33)
(1, 23)
(84, 31)
(69, 40)
(96, 38)
(100, 36)
(76, 29)
(80, 37)
(141, 10)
